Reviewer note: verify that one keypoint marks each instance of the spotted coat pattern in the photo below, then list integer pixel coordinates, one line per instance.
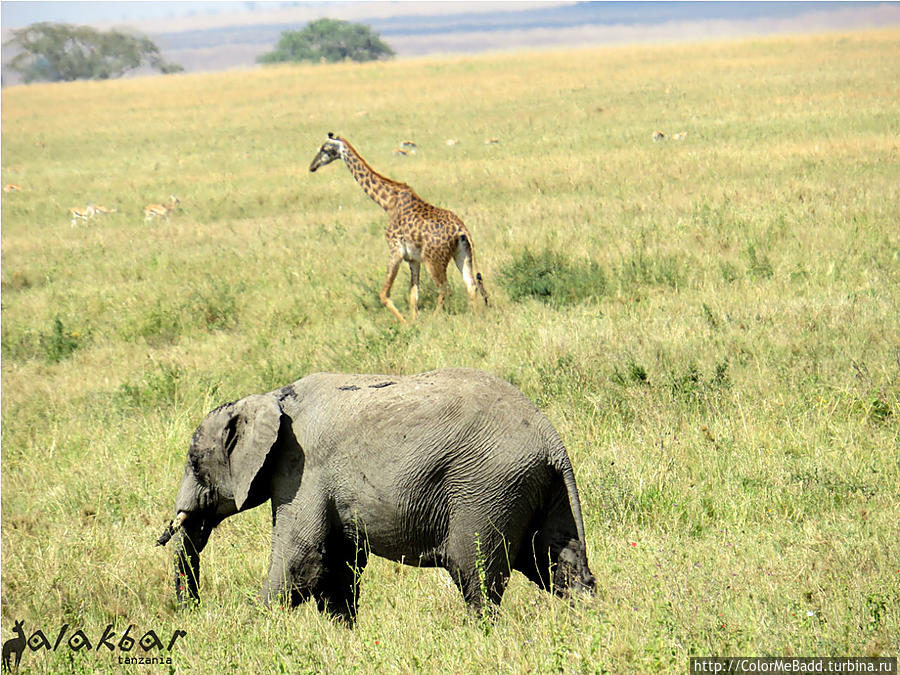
(416, 232)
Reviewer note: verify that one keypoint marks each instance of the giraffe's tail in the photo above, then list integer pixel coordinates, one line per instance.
(465, 247)
(480, 285)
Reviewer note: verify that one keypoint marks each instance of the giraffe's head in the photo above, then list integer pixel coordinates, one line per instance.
(331, 150)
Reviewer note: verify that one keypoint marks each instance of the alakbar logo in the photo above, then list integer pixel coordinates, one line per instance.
(78, 641)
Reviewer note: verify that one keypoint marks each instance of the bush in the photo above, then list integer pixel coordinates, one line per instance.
(552, 277)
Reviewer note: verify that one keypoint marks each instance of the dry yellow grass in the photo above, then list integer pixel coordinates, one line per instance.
(729, 392)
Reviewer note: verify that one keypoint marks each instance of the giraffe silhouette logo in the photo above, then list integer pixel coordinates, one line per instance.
(153, 651)
(15, 646)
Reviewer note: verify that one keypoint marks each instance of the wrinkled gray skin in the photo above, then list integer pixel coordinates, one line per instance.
(451, 468)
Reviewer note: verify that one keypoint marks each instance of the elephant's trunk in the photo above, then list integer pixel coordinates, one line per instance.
(173, 527)
(191, 541)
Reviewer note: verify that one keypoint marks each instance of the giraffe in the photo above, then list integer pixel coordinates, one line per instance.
(417, 231)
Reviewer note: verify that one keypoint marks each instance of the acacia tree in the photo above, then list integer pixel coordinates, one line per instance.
(64, 52)
(329, 40)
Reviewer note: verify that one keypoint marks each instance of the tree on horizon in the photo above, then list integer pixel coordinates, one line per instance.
(61, 52)
(329, 40)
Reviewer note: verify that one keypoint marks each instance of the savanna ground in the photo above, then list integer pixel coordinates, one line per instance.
(711, 323)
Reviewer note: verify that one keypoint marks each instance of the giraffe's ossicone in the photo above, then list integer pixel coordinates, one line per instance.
(417, 231)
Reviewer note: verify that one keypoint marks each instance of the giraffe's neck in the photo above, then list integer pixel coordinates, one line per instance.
(382, 190)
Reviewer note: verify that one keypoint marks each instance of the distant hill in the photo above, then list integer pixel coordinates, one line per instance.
(570, 24)
(221, 42)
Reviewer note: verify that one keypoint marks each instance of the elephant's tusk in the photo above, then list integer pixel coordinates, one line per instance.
(172, 528)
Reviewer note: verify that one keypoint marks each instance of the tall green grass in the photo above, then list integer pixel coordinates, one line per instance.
(710, 323)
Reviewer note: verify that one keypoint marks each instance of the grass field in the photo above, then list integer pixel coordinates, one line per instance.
(711, 324)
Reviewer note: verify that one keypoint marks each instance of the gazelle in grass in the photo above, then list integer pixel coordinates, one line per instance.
(86, 213)
(82, 214)
(157, 211)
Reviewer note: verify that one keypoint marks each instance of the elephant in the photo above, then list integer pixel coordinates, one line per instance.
(453, 468)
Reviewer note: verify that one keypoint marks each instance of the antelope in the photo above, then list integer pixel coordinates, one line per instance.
(409, 146)
(12, 187)
(103, 211)
(157, 211)
(658, 136)
(83, 214)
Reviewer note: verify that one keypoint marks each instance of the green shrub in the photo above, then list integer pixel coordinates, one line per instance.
(553, 278)
(53, 345)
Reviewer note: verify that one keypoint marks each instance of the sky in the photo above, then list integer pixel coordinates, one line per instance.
(18, 13)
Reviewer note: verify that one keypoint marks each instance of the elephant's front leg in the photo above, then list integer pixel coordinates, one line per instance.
(293, 574)
(315, 560)
(296, 566)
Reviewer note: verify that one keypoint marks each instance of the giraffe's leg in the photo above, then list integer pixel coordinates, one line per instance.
(414, 267)
(438, 271)
(393, 266)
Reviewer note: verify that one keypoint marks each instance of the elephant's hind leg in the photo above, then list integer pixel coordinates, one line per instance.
(554, 564)
(534, 560)
(551, 555)
(479, 565)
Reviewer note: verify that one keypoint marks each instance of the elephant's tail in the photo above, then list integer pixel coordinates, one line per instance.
(559, 459)
(574, 502)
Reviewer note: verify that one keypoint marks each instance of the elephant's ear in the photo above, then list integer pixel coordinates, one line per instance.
(256, 423)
